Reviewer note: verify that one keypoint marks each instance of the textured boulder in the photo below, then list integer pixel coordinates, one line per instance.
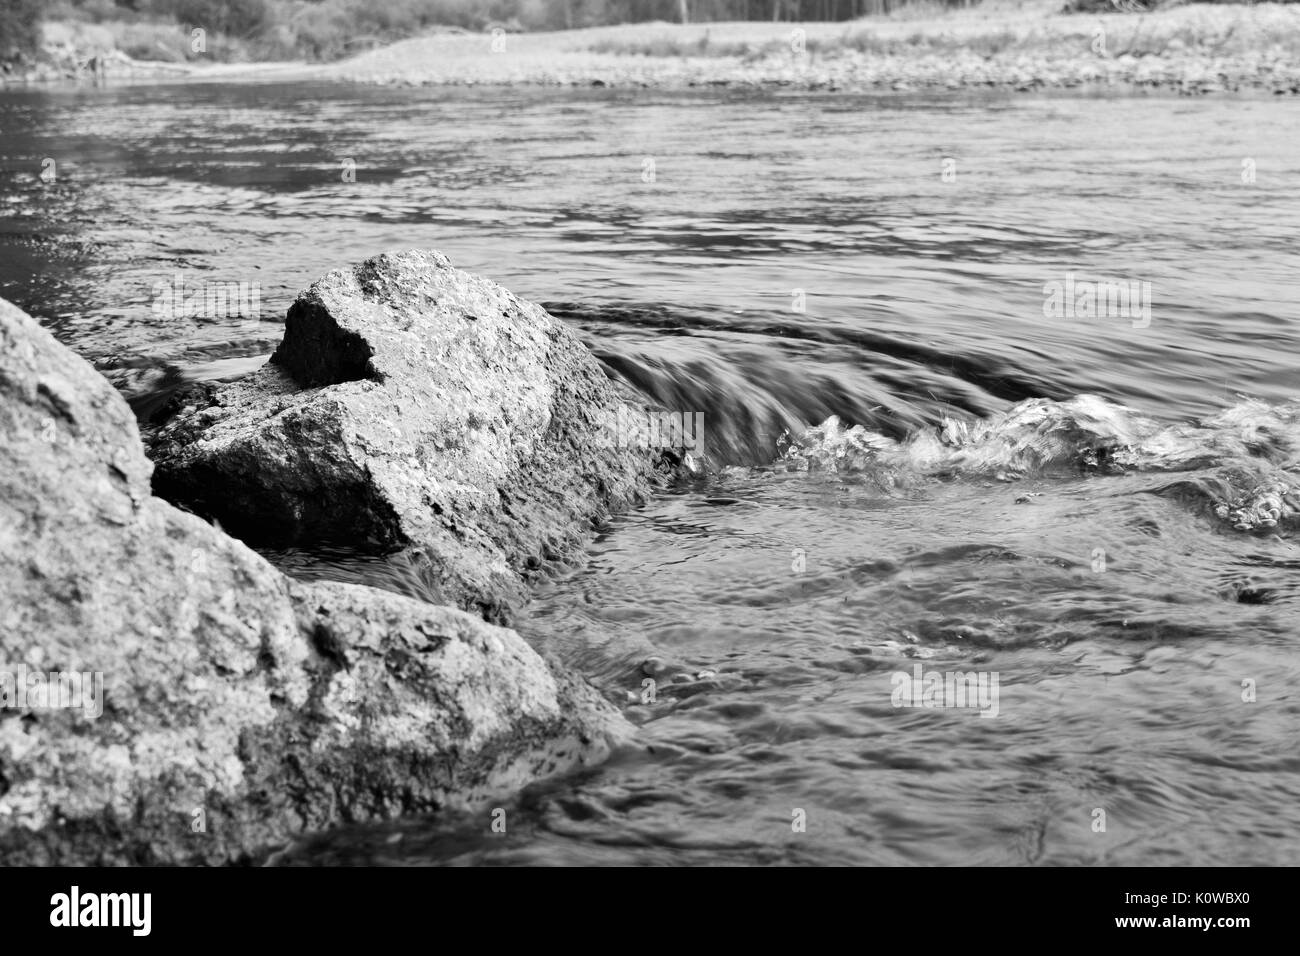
(414, 407)
(237, 708)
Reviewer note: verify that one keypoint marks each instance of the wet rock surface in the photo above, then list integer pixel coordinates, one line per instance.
(205, 707)
(414, 407)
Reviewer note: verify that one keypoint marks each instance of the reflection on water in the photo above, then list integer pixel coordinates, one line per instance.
(790, 258)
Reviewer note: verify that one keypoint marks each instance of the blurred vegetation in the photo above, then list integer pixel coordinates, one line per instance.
(862, 41)
(1116, 6)
(1143, 6)
(330, 29)
(19, 29)
(242, 30)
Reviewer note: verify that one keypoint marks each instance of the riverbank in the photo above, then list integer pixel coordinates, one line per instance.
(1009, 45)
(88, 53)
(1192, 49)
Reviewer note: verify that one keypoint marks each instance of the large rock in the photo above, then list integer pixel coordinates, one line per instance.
(238, 708)
(414, 407)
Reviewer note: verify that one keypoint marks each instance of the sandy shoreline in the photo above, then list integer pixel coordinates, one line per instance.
(1003, 45)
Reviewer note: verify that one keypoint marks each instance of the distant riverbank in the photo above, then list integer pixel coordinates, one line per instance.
(1020, 46)
(1193, 49)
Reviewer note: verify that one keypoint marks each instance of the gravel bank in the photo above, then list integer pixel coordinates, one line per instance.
(1193, 49)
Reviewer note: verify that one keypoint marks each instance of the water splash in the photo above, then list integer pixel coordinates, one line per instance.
(1244, 463)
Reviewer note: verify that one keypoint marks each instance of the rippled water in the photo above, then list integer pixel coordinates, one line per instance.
(1120, 615)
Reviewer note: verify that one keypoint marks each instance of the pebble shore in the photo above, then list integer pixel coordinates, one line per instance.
(1187, 74)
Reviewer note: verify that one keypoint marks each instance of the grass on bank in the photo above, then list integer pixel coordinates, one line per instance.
(1210, 30)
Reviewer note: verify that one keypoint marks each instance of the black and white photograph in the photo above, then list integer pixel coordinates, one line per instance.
(651, 433)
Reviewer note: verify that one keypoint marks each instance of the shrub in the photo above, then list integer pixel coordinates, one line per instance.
(20, 29)
(237, 18)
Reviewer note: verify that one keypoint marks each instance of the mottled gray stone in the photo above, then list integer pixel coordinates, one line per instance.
(418, 408)
(233, 697)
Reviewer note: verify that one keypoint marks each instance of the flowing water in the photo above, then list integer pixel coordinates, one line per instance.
(772, 261)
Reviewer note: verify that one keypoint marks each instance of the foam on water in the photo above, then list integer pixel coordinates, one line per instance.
(1243, 462)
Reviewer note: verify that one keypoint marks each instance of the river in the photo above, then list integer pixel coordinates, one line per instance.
(769, 261)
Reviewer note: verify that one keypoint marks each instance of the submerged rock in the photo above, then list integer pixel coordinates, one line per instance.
(206, 708)
(414, 407)
(1248, 495)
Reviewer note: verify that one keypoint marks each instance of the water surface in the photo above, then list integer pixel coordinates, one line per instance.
(790, 258)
